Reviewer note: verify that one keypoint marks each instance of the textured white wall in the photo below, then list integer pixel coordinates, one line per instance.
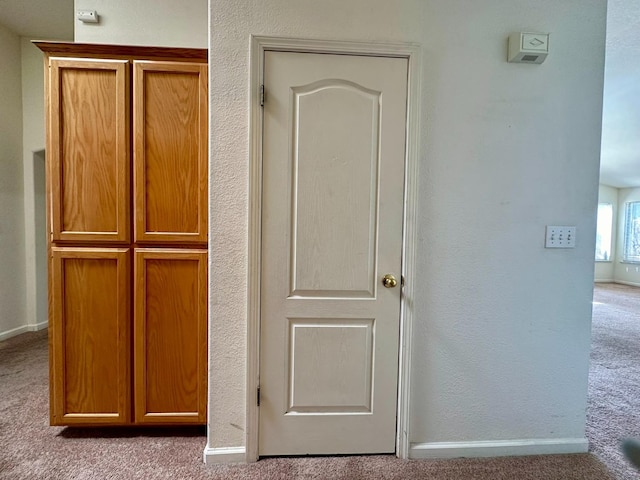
(33, 140)
(502, 325)
(157, 23)
(604, 271)
(12, 250)
(625, 272)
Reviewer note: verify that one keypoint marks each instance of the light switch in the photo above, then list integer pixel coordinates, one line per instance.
(560, 237)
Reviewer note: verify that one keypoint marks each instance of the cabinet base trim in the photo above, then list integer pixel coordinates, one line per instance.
(500, 448)
(224, 455)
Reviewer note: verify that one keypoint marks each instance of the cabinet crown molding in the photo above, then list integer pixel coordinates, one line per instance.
(72, 49)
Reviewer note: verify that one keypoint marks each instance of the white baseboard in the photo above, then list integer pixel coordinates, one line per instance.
(498, 448)
(224, 455)
(446, 449)
(604, 280)
(23, 329)
(13, 332)
(631, 284)
(38, 326)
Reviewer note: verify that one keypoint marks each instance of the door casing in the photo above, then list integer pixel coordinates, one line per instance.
(412, 52)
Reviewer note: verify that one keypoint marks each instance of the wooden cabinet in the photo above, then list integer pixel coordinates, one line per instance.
(170, 335)
(89, 151)
(127, 201)
(170, 112)
(90, 332)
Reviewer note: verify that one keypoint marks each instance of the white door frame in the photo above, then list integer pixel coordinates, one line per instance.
(412, 52)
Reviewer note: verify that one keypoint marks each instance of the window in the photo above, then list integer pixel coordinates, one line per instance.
(631, 232)
(603, 232)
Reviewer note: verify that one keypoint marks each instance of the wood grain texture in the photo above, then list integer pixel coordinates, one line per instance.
(90, 336)
(91, 202)
(90, 160)
(170, 336)
(50, 285)
(131, 52)
(170, 152)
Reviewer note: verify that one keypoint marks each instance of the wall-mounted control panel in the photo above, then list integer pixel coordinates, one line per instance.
(560, 237)
(528, 47)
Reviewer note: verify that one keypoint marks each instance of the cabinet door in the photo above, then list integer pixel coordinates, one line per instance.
(90, 336)
(170, 152)
(170, 336)
(89, 150)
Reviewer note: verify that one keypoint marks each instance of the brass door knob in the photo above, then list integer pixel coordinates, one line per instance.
(389, 281)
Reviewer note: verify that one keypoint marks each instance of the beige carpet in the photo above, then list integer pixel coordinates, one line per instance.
(614, 377)
(31, 449)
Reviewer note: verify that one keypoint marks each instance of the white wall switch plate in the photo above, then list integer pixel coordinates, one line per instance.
(560, 237)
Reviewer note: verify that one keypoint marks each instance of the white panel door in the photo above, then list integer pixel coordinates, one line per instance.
(333, 178)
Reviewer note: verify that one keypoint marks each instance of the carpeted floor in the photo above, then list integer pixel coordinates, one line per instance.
(614, 377)
(31, 449)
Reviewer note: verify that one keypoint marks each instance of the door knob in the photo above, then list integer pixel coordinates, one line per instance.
(389, 281)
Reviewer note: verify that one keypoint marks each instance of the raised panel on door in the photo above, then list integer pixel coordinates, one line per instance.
(333, 189)
(328, 177)
(90, 336)
(89, 150)
(170, 336)
(170, 152)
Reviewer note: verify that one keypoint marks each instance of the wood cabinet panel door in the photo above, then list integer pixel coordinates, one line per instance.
(89, 150)
(170, 152)
(90, 336)
(170, 336)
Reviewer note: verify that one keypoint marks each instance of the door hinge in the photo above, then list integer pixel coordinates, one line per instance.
(258, 397)
(262, 95)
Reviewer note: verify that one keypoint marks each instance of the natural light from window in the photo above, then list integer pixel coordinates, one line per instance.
(631, 252)
(604, 231)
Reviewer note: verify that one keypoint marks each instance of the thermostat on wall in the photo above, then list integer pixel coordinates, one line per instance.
(528, 47)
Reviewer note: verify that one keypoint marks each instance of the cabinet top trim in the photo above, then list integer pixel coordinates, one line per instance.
(122, 51)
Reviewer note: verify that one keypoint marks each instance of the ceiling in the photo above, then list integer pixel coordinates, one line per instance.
(38, 19)
(620, 156)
